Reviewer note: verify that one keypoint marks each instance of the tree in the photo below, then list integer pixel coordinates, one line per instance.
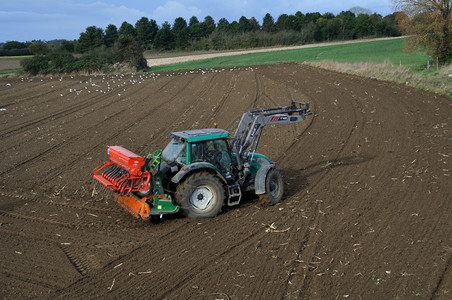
(165, 37)
(268, 24)
(347, 25)
(328, 16)
(143, 31)
(281, 22)
(127, 29)
(312, 17)
(129, 51)
(301, 19)
(111, 35)
(195, 28)
(154, 28)
(14, 45)
(218, 39)
(363, 26)
(180, 32)
(254, 24)
(321, 33)
(244, 24)
(378, 27)
(35, 65)
(68, 46)
(193, 21)
(223, 24)
(234, 27)
(429, 24)
(333, 28)
(208, 26)
(391, 27)
(292, 23)
(92, 38)
(39, 48)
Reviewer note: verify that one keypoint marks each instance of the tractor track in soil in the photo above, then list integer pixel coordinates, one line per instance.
(366, 213)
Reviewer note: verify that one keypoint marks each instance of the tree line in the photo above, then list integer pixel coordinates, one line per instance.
(224, 35)
(245, 33)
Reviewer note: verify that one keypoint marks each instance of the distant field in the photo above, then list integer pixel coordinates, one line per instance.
(377, 51)
(10, 63)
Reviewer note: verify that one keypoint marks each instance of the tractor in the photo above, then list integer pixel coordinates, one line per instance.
(200, 170)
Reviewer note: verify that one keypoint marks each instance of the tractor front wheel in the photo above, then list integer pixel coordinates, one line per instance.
(200, 196)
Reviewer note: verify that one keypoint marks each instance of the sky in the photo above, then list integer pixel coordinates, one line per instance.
(27, 20)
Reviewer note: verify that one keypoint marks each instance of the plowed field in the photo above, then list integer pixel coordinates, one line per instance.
(366, 215)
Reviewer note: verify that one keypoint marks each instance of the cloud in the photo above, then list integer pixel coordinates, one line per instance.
(26, 25)
(100, 10)
(28, 17)
(61, 19)
(171, 10)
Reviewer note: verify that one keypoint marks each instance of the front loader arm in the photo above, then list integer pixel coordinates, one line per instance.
(249, 130)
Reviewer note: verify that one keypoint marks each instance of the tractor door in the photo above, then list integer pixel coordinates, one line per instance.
(215, 152)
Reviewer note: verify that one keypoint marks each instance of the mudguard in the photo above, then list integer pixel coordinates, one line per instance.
(184, 171)
(261, 175)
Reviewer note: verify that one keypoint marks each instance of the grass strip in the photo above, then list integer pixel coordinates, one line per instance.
(378, 51)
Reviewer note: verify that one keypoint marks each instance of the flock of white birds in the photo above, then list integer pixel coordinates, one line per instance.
(118, 83)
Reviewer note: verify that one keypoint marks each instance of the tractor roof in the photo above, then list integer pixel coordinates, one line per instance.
(197, 135)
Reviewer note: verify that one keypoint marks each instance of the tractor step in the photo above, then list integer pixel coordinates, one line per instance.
(235, 194)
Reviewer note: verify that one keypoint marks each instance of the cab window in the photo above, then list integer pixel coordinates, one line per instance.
(197, 152)
(217, 153)
(174, 152)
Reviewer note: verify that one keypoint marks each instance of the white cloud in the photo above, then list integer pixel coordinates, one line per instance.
(62, 19)
(100, 10)
(27, 26)
(171, 10)
(27, 16)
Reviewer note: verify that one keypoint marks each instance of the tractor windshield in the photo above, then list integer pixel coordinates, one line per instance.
(174, 152)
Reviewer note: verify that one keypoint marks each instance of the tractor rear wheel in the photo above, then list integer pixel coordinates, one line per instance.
(274, 186)
(200, 196)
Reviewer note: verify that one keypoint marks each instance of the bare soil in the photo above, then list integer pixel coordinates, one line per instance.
(9, 64)
(367, 211)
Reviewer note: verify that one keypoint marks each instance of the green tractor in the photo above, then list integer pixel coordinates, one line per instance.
(200, 170)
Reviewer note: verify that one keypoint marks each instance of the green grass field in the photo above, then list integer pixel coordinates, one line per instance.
(370, 51)
(14, 57)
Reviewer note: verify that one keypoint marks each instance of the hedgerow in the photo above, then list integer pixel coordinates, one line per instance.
(125, 51)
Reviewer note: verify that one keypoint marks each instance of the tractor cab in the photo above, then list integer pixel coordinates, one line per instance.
(200, 148)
